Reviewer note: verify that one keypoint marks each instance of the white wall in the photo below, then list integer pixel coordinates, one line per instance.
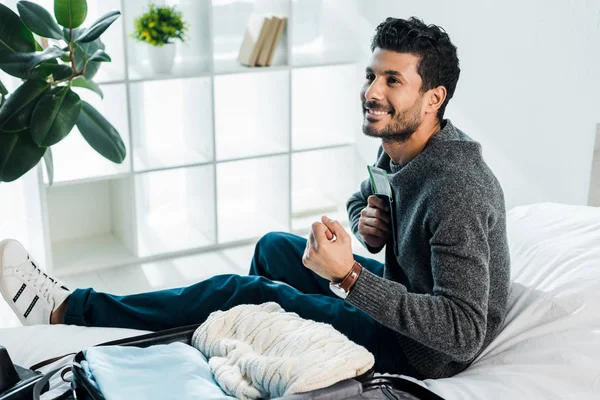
(529, 89)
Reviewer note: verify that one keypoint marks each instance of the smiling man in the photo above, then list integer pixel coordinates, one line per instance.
(441, 296)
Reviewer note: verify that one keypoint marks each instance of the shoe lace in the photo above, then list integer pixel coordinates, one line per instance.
(34, 276)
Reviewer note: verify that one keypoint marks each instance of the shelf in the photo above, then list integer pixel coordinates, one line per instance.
(251, 114)
(183, 67)
(303, 223)
(311, 205)
(74, 158)
(170, 273)
(252, 198)
(175, 210)
(157, 159)
(21, 214)
(325, 106)
(310, 202)
(91, 225)
(191, 57)
(324, 32)
(250, 147)
(177, 136)
(313, 198)
(231, 66)
(230, 18)
(89, 254)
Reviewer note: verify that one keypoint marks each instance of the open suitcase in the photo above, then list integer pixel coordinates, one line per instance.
(367, 386)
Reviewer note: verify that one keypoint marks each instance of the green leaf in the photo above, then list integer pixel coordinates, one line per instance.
(61, 72)
(19, 121)
(70, 13)
(42, 71)
(20, 70)
(49, 161)
(83, 52)
(100, 56)
(100, 134)
(26, 94)
(14, 35)
(91, 69)
(3, 90)
(20, 64)
(54, 115)
(39, 20)
(98, 27)
(87, 84)
(18, 154)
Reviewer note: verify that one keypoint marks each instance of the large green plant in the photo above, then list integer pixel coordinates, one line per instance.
(44, 109)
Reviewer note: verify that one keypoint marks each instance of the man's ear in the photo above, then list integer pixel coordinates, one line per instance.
(435, 98)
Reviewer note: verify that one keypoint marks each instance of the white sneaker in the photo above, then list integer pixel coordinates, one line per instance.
(30, 292)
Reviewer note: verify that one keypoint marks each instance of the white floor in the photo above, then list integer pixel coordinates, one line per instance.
(172, 273)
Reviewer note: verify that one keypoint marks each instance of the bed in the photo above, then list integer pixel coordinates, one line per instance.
(549, 347)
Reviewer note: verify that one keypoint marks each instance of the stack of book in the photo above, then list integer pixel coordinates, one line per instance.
(263, 33)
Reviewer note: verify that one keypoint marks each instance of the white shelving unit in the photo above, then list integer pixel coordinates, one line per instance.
(218, 154)
(318, 185)
(177, 137)
(90, 225)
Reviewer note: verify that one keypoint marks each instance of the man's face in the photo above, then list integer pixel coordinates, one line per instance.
(391, 98)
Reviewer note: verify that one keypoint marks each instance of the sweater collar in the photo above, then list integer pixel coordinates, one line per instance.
(448, 132)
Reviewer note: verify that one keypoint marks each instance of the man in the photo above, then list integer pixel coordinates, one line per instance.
(440, 298)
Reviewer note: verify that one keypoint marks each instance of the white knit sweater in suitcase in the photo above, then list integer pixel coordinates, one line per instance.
(262, 351)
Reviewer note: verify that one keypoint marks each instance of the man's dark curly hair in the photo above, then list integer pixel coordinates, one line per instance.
(438, 64)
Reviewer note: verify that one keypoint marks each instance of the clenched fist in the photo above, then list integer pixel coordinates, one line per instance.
(374, 222)
(328, 251)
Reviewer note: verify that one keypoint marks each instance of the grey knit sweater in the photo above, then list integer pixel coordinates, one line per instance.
(445, 291)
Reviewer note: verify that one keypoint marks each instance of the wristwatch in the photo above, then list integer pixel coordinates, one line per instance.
(342, 288)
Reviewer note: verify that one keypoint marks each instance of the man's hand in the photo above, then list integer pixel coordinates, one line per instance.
(374, 222)
(328, 250)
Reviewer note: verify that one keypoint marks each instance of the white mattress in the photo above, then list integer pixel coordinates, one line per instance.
(549, 347)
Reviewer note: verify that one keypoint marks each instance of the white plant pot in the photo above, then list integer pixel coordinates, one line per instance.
(162, 57)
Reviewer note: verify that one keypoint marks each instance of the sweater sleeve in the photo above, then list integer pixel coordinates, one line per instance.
(453, 319)
(356, 203)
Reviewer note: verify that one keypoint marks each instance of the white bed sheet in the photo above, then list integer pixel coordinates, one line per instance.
(549, 347)
(28, 345)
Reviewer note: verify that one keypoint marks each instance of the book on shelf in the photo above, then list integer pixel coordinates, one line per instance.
(278, 33)
(253, 39)
(260, 40)
(271, 27)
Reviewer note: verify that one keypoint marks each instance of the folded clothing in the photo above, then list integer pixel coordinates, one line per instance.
(173, 371)
(261, 351)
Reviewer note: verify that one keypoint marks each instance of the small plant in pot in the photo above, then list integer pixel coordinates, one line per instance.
(158, 27)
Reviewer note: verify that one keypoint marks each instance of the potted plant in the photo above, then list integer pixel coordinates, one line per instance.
(44, 109)
(158, 27)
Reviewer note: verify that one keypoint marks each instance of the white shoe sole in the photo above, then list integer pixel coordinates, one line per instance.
(5, 289)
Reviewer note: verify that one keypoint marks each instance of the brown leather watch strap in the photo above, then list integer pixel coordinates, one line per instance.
(350, 279)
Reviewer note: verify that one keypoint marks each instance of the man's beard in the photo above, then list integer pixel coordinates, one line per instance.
(401, 128)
